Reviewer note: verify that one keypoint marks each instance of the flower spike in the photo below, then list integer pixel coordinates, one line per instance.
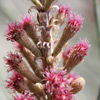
(36, 39)
(77, 55)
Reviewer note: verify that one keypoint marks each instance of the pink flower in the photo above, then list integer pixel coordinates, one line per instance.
(63, 9)
(63, 94)
(71, 77)
(54, 79)
(57, 84)
(14, 81)
(26, 21)
(14, 31)
(75, 22)
(66, 54)
(26, 96)
(77, 55)
(13, 60)
(82, 46)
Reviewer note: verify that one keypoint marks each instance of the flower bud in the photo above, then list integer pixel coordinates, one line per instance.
(77, 54)
(15, 62)
(16, 82)
(38, 88)
(50, 59)
(16, 33)
(78, 85)
(29, 26)
(63, 12)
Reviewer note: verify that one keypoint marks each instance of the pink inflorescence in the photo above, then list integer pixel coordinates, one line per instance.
(26, 96)
(26, 21)
(14, 81)
(63, 94)
(83, 46)
(57, 84)
(64, 9)
(14, 30)
(67, 53)
(13, 60)
(72, 77)
(75, 22)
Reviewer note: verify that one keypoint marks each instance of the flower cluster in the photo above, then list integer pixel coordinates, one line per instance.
(15, 81)
(57, 84)
(75, 22)
(63, 9)
(12, 60)
(26, 21)
(36, 75)
(26, 96)
(14, 31)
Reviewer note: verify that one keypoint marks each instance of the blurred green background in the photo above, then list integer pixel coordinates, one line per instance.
(13, 10)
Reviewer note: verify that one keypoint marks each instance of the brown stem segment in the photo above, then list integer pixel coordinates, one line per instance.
(48, 4)
(64, 38)
(43, 1)
(24, 41)
(25, 71)
(32, 61)
(43, 18)
(74, 59)
(31, 32)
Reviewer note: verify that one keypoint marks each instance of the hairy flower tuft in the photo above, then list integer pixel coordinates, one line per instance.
(83, 46)
(77, 55)
(64, 9)
(63, 94)
(14, 31)
(26, 21)
(14, 81)
(12, 60)
(67, 53)
(54, 78)
(72, 77)
(26, 96)
(57, 84)
(75, 22)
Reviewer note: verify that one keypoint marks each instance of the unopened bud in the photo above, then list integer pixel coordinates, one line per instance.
(38, 87)
(50, 59)
(78, 85)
